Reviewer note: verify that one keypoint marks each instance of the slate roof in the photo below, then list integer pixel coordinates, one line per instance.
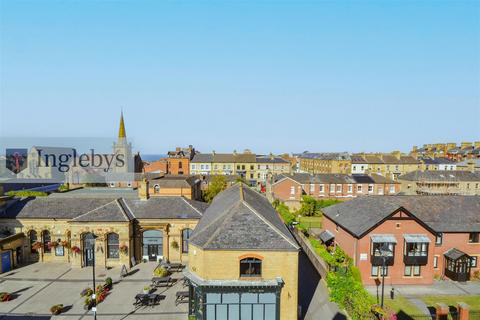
(439, 160)
(242, 219)
(166, 208)
(454, 254)
(307, 178)
(326, 155)
(48, 208)
(104, 209)
(440, 213)
(440, 175)
(175, 181)
(383, 159)
(373, 179)
(110, 212)
(268, 159)
(224, 158)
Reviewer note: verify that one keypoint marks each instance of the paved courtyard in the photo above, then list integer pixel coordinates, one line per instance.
(39, 286)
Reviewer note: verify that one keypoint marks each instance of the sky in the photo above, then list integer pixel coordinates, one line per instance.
(270, 76)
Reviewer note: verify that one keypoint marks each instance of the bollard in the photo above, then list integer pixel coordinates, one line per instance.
(392, 293)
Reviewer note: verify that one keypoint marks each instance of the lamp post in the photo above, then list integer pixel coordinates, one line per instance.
(385, 252)
(94, 297)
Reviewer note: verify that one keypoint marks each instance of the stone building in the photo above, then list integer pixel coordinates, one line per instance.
(62, 228)
(242, 260)
(440, 182)
(332, 162)
(390, 165)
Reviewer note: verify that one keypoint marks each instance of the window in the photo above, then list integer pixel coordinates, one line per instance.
(414, 271)
(185, 237)
(339, 188)
(473, 237)
(193, 167)
(376, 271)
(354, 168)
(380, 190)
(377, 248)
(435, 262)
(202, 166)
(370, 188)
(320, 188)
(473, 262)
(252, 167)
(238, 167)
(250, 267)
(392, 188)
(332, 188)
(156, 188)
(33, 238)
(46, 241)
(243, 167)
(439, 239)
(292, 190)
(112, 246)
(180, 165)
(397, 225)
(359, 188)
(350, 188)
(312, 187)
(416, 249)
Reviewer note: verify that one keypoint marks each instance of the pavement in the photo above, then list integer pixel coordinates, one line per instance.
(39, 286)
(445, 287)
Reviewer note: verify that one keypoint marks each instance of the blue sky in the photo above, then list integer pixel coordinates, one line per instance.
(283, 76)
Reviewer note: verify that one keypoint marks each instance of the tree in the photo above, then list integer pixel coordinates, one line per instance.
(309, 206)
(217, 185)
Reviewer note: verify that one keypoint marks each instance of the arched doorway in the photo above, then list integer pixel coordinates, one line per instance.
(152, 243)
(88, 249)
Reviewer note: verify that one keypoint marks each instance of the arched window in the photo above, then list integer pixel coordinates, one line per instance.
(185, 237)
(46, 240)
(156, 188)
(250, 267)
(112, 246)
(32, 235)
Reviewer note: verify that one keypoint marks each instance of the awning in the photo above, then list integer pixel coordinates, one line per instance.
(422, 238)
(326, 236)
(455, 254)
(383, 238)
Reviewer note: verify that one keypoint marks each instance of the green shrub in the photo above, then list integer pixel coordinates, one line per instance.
(160, 272)
(63, 188)
(287, 216)
(26, 193)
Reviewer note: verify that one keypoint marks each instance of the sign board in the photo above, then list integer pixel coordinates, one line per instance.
(363, 257)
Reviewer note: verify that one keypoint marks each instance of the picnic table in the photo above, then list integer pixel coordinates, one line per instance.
(181, 296)
(171, 266)
(147, 299)
(162, 281)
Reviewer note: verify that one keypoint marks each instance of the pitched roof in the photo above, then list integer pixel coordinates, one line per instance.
(326, 155)
(307, 178)
(110, 212)
(440, 213)
(175, 181)
(53, 207)
(440, 175)
(166, 208)
(267, 159)
(242, 219)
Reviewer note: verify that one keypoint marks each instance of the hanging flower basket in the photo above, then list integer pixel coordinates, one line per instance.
(123, 249)
(65, 244)
(174, 244)
(36, 245)
(52, 244)
(75, 249)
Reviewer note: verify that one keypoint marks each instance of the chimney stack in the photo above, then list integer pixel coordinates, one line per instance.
(143, 191)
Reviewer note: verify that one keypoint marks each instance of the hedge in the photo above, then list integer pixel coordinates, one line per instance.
(26, 193)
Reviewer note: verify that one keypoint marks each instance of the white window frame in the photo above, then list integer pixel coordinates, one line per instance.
(350, 188)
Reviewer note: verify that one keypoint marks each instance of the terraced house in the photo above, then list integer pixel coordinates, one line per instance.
(390, 165)
(327, 162)
(243, 261)
(291, 188)
(62, 228)
(417, 237)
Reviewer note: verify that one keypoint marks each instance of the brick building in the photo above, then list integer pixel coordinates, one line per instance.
(176, 185)
(291, 188)
(419, 236)
(327, 162)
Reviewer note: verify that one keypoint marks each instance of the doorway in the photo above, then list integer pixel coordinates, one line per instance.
(152, 244)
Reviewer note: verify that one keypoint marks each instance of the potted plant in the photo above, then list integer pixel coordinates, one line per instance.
(160, 272)
(5, 296)
(146, 289)
(56, 309)
(87, 292)
(108, 283)
(88, 303)
(174, 244)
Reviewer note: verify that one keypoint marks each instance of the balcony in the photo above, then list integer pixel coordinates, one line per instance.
(415, 260)
(378, 260)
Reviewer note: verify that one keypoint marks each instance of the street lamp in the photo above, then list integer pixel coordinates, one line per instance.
(94, 297)
(385, 252)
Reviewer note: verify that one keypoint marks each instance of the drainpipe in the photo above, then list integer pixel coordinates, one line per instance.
(355, 252)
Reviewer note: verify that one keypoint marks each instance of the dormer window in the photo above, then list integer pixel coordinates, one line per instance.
(250, 267)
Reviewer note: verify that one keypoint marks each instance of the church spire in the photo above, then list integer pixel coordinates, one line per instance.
(121, 130)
